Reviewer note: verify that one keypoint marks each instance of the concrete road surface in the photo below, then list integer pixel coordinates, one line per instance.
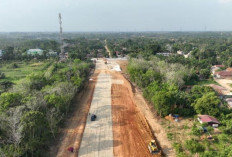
(97, 139)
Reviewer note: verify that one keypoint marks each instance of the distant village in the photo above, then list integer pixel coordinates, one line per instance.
(35, 52)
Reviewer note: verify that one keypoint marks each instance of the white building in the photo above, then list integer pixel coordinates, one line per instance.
(52, 53)
(180, 52)
(35, 52)
(164, 53)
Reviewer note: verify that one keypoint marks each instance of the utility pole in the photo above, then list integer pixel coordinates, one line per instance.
(62, 54)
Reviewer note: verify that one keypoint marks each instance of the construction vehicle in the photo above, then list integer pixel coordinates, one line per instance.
(153, 147)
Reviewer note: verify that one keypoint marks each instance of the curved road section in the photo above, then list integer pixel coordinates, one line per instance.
(97, 140)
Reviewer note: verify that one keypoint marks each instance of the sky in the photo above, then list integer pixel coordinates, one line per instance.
(115, 15)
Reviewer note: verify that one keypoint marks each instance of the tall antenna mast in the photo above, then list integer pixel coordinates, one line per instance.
(62, 55)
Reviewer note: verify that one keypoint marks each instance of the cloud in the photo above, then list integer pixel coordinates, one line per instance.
(224, 1)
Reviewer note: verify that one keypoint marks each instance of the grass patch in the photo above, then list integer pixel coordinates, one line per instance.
(23, 69)
(170, 136)
(203, 82)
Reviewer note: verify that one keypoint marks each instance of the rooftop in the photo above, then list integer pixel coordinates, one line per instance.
(207, 119)
(219, 66)
(224, 73)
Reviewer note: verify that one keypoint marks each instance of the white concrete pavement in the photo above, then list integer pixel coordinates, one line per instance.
(97, 140)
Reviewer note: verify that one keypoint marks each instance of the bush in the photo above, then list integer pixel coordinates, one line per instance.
(5, 85)
(196, 131)
(177, 146)
(2, 75)
(170, 136)
(10, 100)
(194, 146)
(13, 66)
(37, 81)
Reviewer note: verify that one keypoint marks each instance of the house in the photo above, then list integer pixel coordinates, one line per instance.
(209, 120)
(229, 69)
(52, 53)
(164, 53)
(35, 52)
(180, 52)
(124, 49)
(187, 55)
(223, 74)
(216, 67)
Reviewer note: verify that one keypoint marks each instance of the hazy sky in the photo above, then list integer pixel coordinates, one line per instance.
(116, 15)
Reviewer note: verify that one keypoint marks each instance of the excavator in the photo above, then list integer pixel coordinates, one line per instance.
(153, 147)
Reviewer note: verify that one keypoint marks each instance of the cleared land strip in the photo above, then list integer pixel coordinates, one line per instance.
(97, 140)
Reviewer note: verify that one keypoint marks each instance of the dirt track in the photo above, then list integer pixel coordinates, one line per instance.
(131, 132)
(148, 111)
(226, 84)
(130, 128)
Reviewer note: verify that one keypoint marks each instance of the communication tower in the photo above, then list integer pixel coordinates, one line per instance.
(62, 54)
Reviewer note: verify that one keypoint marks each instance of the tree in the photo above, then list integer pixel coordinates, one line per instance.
(154, 48)
(35, 128)
(205, 73)
(227, 128)
(196, 131)
(8, 53)
(198, 91)
(163, 102)
(5, 85)
(207, 104)
(37, 81)
(151, 89)
(53, 118)
(2, 75)
(14, 130)
(8, 99)
(149, 77)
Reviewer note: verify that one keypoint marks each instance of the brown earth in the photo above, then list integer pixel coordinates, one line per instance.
(72, 133)
(130, 128)
(150, 114)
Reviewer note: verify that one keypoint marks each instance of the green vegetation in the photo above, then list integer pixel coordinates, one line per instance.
(164, 86)
(16, 70)
(32, 111)
(175, 85)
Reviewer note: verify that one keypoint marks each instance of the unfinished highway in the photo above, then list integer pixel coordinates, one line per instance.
(120, 128)
(97, 140)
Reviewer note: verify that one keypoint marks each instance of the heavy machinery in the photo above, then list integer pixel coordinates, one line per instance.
(153, 147)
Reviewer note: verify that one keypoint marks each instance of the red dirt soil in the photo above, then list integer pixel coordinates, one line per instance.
(130, 128)
(73, 131)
